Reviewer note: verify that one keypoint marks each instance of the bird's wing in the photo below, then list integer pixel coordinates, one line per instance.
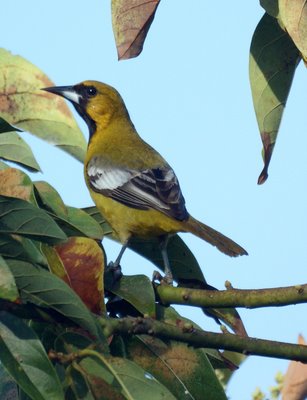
(156, 188)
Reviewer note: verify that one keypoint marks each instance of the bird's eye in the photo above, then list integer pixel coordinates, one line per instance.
(91, 91)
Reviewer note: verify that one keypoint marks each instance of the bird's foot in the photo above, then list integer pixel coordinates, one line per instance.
(113, 272)
(167, 279)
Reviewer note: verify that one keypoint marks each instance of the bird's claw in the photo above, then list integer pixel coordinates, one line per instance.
(115, 270)
(167, 279)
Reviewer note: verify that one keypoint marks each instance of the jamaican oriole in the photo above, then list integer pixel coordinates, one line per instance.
(131, 184)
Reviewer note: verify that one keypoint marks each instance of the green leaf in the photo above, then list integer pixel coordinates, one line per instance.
(6, 127)
(143, 299)
(94, 213)
(23, 355)
(185, 371)
(237, 359)
(14, 148)
(20, 248)
(183, 263)
(22, 218)
(78, 388)
(50, 199)
(271, 7)
(8, 387)
(273, 61)
(8, 289)
(124, 376)
(3, 165)
(80, 223)
(44, 289)
(41, 113)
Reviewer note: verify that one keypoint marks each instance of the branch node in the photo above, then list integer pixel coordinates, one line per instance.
(185, 296)
(224, 329)
(299, 288)
(228, 285)
(187, 328)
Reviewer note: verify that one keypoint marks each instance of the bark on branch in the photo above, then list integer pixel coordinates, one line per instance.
(198, 338)
(253, 298)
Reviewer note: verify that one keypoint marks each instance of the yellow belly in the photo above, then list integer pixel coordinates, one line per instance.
(127, 221)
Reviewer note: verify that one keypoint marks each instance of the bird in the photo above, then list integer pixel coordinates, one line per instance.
(132, 185)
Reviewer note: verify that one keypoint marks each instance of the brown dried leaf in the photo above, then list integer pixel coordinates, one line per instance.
(131, 21)
(293, 15)
(295, 384)
(84, 263)
(15, 183)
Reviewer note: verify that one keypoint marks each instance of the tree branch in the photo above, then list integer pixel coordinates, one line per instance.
(198, 338)
(232, 297)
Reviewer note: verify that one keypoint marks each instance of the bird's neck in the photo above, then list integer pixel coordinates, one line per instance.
(110, 131)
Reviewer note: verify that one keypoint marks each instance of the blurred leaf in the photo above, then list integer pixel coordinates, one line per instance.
(15, 183)
(22, 218)
(8, 387)
(273, 60)
(41, 113)
(225, 374)
(84, 264)
(44, 289)
(138, 291)
(71, 342)
(24, 357)
(293, 15)
(8, 289)
(131, 22)
(6, 127)
(14, 148)
(20, 248)
(50, 198)
(3, 165)
(78, 388)
(295, 380)
(79, 223)
(185, 371)
(127, 378)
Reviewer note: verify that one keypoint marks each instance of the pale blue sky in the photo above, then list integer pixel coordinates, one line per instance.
(188, 95)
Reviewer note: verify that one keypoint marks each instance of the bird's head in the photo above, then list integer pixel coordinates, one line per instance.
(97, 103)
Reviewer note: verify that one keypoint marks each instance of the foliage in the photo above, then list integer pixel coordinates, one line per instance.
(275, 391)
(56, 341)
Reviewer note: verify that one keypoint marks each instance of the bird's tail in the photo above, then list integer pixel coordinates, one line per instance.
(223, 243)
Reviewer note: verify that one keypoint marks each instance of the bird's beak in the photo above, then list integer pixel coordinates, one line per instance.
(68, 92)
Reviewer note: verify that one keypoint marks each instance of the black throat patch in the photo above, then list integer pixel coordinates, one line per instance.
(81, 110)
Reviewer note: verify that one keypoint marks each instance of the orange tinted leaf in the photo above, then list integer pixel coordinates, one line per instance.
(295, 383)
(84, 263)
(15, 183)
(185, 371)
(22, 103)
(293, 15)
(55, 263)
(131, 21)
